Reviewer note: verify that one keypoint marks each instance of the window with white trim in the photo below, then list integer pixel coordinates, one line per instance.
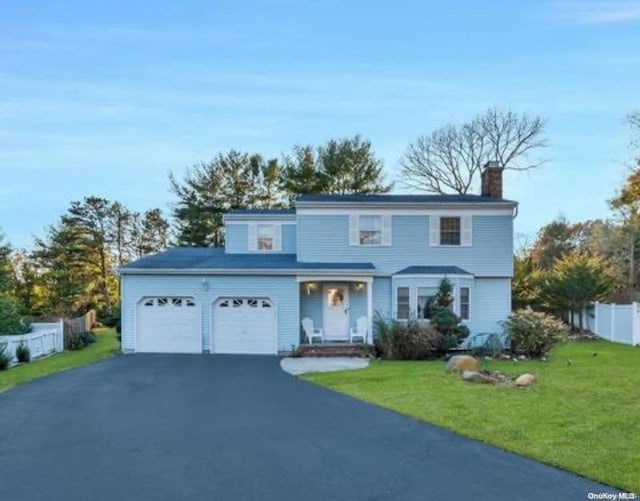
(265, 236)
(370, 230)
(465, 303)
(425, 298)
(450, 231)
(403, 306)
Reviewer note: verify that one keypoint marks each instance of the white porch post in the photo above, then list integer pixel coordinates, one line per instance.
(369, 310)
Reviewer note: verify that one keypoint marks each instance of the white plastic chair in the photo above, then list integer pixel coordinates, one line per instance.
(362, 327)
(311, 333)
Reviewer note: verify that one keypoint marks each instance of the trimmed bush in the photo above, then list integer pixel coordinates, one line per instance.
(23, 353)
(534, 333)
(5, 359)
(10, 320)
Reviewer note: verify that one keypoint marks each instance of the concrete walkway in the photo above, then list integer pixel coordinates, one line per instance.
(302, 365)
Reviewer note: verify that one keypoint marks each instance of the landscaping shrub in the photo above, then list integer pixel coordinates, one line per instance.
(10, 320)
(449, 325)
(5, 359)
(534, 333)
(110, 320)
(23, 353)
(396, 340)
(74, 342)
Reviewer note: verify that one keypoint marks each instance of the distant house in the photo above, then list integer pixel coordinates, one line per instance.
(333, 260)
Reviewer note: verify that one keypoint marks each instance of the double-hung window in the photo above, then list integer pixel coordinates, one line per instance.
(450, 231)
(370, 230)
(265, 234)
(403, 307)
(465, 303)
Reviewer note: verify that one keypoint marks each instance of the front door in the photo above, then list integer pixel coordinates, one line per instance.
(336, 312)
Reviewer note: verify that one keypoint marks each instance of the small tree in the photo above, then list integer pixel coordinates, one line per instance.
(577, 280)
(444, 320)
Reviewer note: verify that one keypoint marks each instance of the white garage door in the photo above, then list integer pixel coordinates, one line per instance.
(244, 325)
(168, 325)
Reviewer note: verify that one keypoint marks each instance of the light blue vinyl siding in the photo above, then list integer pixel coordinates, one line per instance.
(237, 238)
(382, 296)
(326, 238)
(490, 304)
(282, 290)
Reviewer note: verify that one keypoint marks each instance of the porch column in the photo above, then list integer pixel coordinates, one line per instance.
(369, 310)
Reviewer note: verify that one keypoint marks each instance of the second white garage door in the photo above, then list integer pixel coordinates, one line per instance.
(244, 325)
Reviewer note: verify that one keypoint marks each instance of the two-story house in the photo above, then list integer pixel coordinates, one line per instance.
(333, 260)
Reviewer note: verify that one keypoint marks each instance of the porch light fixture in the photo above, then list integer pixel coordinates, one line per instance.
(310, 286)
(360, 286)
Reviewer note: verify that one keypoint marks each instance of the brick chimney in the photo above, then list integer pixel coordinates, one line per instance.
(492, 180)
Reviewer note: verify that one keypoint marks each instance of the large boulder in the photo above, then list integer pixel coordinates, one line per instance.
(525, 380)
(461, 363)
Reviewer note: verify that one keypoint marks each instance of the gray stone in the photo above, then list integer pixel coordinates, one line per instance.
(475, 377)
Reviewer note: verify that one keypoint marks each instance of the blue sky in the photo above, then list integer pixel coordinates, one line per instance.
(106, 98)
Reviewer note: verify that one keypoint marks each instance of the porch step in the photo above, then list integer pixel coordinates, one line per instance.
(335, 350)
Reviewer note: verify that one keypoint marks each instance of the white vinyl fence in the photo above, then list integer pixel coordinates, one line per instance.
(44, 339)
(616, 322)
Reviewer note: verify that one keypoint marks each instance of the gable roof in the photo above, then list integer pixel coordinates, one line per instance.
(433, 270)
(403, 199)
(214, 259)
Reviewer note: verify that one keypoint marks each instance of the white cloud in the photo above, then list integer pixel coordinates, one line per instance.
(598, 12)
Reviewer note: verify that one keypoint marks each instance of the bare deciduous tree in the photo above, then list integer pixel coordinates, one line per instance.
(451, 157)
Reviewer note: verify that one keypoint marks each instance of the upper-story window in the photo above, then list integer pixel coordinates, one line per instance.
(370, 229)
(265, 234)
(265, 237)
(452, 231)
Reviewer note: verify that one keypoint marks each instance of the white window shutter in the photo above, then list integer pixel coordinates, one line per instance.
(386, 229)
(253, 237)
(354, 230)
(277, 237)
(434, 231)
(466, 231)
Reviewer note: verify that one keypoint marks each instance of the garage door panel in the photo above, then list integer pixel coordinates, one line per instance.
(244, 325)
(168, 325)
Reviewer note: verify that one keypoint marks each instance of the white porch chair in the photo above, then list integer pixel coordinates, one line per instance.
(361, 330)
(311, 333)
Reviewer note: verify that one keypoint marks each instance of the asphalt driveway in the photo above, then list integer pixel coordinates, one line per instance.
(195, 427)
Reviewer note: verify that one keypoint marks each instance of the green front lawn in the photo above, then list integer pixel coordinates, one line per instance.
(106, 345)
(583, 415)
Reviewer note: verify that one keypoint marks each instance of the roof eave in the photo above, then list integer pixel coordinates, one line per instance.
(498, 204)
(245, 271)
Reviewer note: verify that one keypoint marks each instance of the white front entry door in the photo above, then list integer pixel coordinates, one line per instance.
(336, 312)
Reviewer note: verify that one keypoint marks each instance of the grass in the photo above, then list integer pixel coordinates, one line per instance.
(106, 345)
(583, 415)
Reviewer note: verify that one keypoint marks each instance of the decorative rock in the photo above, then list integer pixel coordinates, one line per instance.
(475, 377)
(522, 357)
(460, 363)
(525, 380)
